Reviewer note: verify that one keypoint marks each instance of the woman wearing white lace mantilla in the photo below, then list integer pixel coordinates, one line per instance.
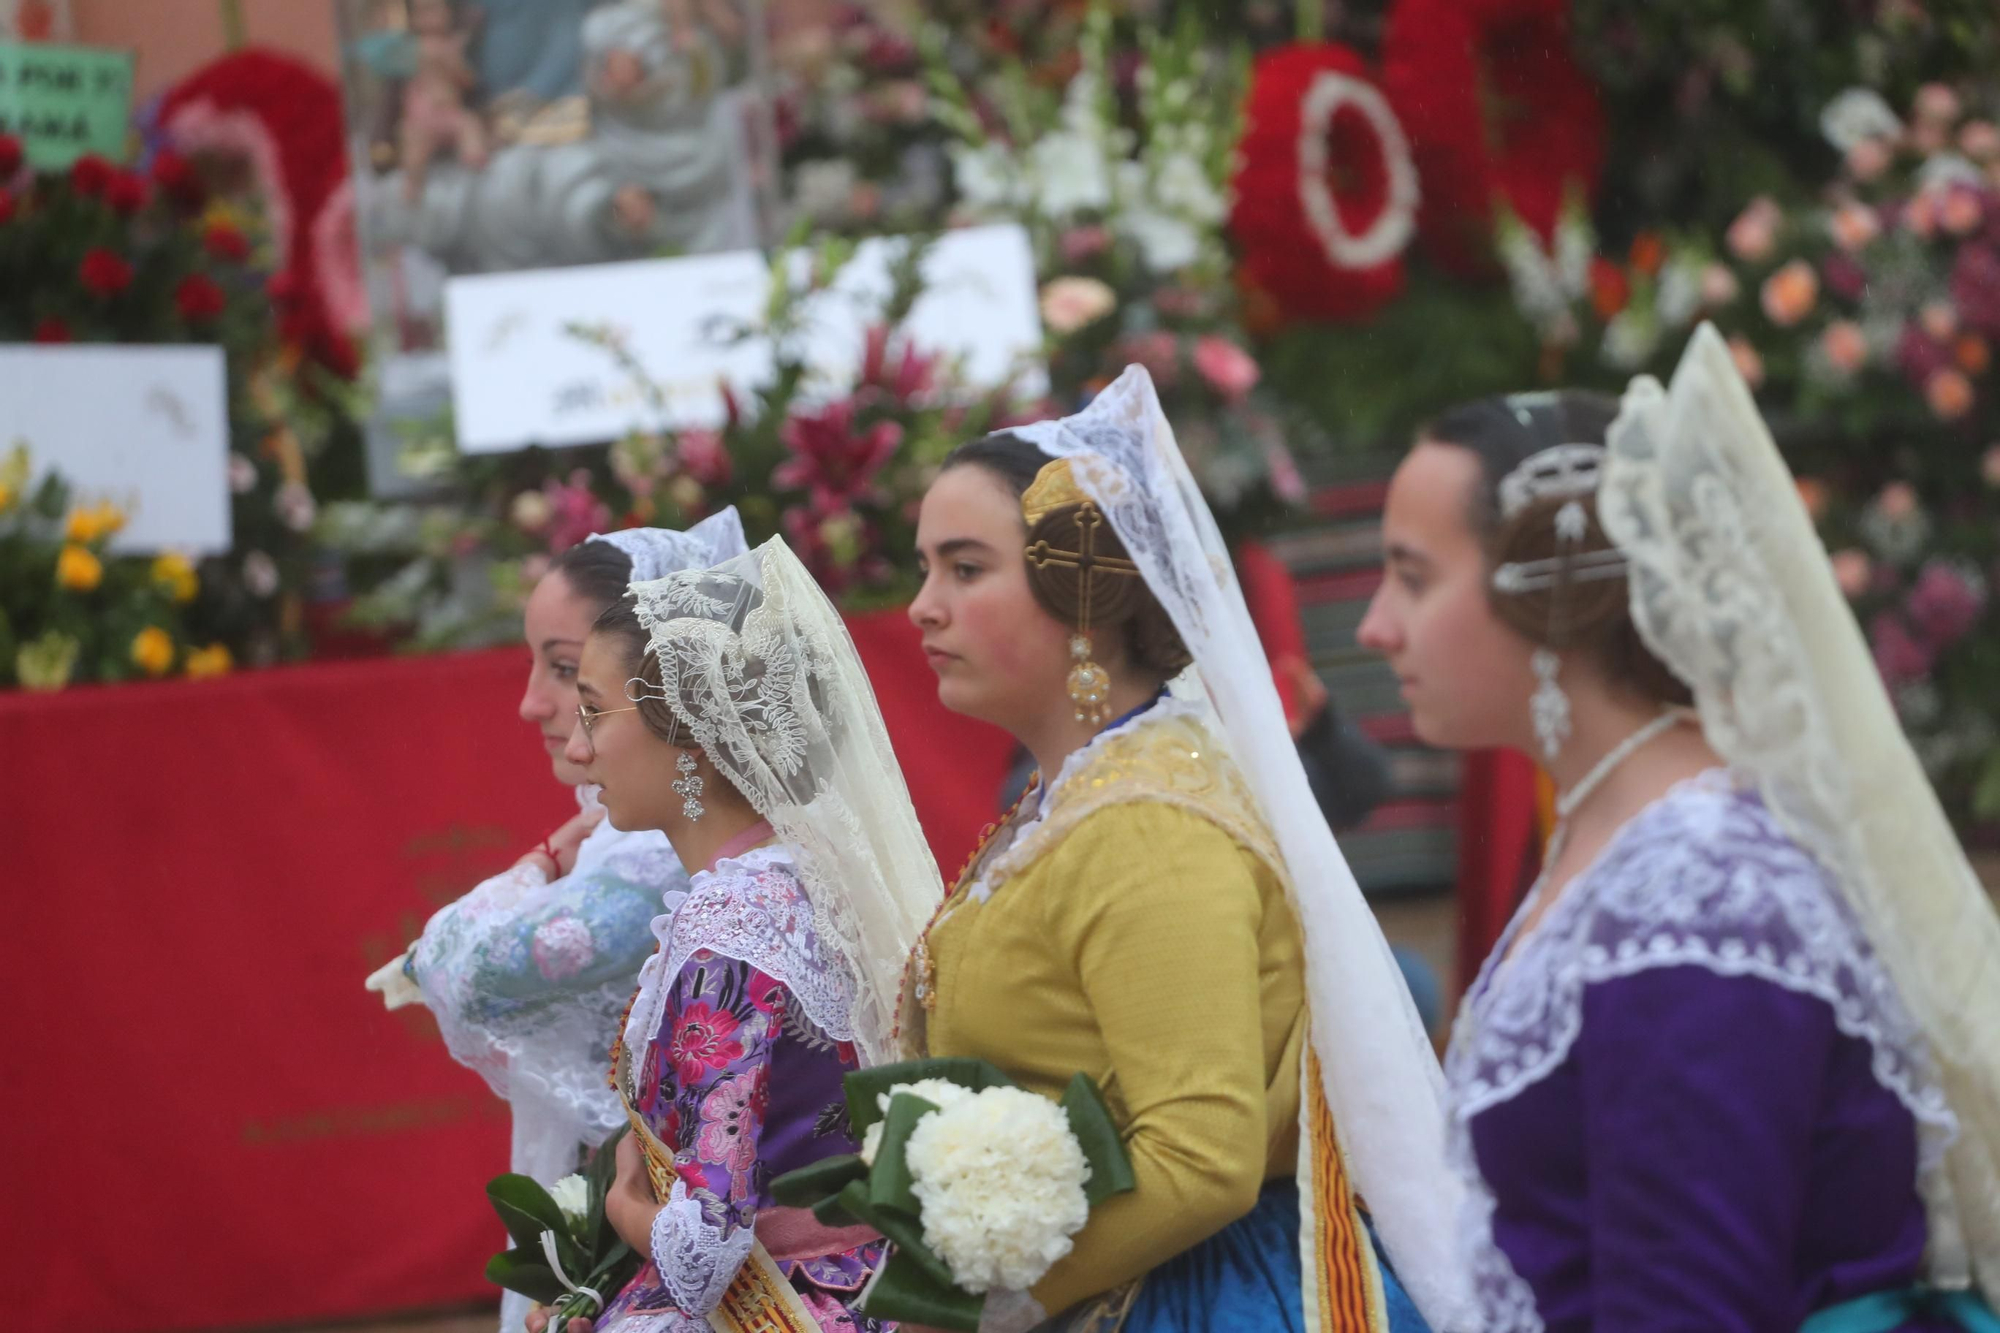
(528, 973)
(728, 708)
(1734, 1065)
(1168, 912)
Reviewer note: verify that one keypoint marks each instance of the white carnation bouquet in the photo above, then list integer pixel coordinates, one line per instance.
(977, 1184)
(565, 1253)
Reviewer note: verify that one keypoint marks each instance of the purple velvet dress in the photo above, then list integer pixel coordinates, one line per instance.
(1691, 1099)
(740, 1038)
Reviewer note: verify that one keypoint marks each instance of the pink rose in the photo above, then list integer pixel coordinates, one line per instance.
(1945, 604)
(1718, 286)
(1868, 159)
(1159, 352)
(1790, 294)
(1962, 211)
(704, 456)
(1748, 364)
(1899, 656)
(1920, 217)
(1936, 102)
(1853, 226)
(1852, 569)
(1229, 370)
(1070, 304)
(1989, 465)
(1980, 140)
(1939, 320)
(1846, 347)
(1081, 243)
(1897, 501)
(1949, 393)
(1754, 234)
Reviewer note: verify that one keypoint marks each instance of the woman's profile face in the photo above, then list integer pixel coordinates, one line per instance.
(634, 768)
(998, 655)
(1464, 674)
(555, 623)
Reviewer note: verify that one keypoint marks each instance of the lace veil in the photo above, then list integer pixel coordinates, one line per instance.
(757, 665)
(1381, 1078)
(1732, 589)
(658, 552)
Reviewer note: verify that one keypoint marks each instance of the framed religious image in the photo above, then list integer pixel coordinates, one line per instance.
(34, 21)
(497, 136)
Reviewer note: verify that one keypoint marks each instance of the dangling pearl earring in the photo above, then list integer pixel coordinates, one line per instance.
(688, 787)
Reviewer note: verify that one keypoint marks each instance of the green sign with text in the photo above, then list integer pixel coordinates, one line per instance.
(64, 101)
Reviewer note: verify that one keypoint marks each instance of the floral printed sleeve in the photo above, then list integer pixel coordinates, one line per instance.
(714, 1054)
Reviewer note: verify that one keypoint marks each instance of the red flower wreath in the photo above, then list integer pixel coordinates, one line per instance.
(1326, 191)
(284, 117)
(1495, 106)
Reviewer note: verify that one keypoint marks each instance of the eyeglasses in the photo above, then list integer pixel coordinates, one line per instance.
(586, 717)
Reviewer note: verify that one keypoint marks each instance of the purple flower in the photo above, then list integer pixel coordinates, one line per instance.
(1899, 655)
(1844, 276)
(1975, 287)
(1945, 604)
(1920, 356)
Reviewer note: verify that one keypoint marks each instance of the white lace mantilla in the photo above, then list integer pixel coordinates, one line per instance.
(751, 908)
(696, 1258)
(1704, 877)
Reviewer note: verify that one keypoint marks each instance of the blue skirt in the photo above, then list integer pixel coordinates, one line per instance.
(1246, 1277)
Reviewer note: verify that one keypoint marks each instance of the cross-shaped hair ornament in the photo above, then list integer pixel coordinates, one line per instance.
(1089, 683)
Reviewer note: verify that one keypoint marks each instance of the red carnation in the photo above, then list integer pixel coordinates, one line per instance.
(1610, 289)
(103, 273)
(198, 298)
(177, 180)
(126, 193)
(225, 242)
(1495, 107)
(1326, 192)
(49, 329)
(10, 155)
(6, 208)
(90, 175)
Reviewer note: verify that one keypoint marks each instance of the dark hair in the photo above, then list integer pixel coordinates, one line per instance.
(598, 572)
(1591, 615)
(1117, 601)
(619, 622)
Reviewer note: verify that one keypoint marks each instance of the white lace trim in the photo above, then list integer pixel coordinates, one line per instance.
(751, 908)
(697, 1259)
(1703, 877)
(1006, 862)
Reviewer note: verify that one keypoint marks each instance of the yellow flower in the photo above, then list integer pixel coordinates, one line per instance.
(213, 660)
(78, 570)
(153, 650)
(88, 524)
(172, 572)
(6, 497)
(46, 663)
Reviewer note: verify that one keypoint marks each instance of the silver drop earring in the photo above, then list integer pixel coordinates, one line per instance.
(688, 787)
(1548, 705)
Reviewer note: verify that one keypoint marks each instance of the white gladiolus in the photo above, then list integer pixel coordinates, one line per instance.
(1855, 115)
(572, 1195)
(1000, 1177)
(1071, 175)
(1183, 187)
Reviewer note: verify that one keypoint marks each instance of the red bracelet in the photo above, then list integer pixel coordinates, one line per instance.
(549, 850)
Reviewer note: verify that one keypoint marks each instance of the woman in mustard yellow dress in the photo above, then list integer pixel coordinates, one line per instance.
(1166, 911)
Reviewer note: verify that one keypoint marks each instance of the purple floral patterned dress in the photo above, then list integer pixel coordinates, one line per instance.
(1691, 1097)
(738, 1041)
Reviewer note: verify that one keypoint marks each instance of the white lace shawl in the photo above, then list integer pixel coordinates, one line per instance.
(1703, 877)
(751, 908)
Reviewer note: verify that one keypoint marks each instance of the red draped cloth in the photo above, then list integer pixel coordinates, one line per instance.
(209, 1123)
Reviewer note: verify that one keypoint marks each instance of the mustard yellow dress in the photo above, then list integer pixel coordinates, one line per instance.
(1133, 924)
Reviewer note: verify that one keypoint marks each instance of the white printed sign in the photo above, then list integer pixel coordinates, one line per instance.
(521, 377)
(146, 428)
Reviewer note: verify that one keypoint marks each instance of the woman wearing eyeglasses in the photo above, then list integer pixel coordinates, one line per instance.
(528, 973)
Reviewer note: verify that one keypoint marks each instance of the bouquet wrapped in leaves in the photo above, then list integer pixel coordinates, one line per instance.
(565, 1255)
(977, 1184)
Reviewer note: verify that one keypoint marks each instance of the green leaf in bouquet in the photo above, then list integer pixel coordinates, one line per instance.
(810, 1185)
(527, 1273)
(526, 1210)
(1097, 1134)
(890, 1180)
(905, 1230)
(601, 1174)
(864, 1086)
(906, 1292)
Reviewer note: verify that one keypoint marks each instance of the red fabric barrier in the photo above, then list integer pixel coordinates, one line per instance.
(1499, 850)
(209, 1123)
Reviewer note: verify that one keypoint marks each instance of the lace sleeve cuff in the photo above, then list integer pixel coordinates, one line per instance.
(697, 1259)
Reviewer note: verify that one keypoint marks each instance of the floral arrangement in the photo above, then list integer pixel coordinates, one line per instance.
(70, 610)
(102, 253)
(978, 1184)
(560, 1231)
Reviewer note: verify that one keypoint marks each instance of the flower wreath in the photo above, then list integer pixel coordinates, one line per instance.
(1495, 105)
(1326, 189)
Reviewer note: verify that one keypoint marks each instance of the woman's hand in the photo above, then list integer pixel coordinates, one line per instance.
(629, 1204)
(538, 1322)
(563, 843)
